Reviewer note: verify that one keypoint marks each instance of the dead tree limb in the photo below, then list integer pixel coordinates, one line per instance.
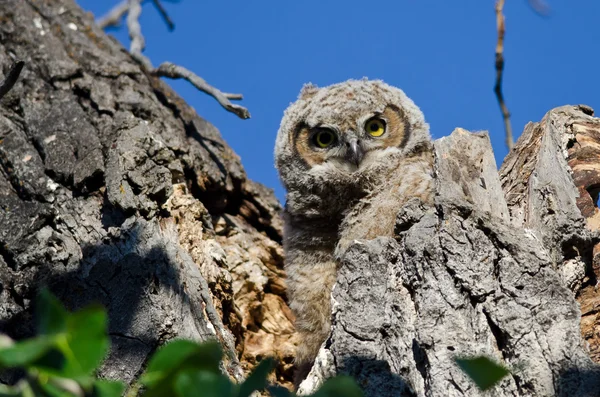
(133, 9)
(167, 69)
(500, 71)
(138, 43)
(163, 13)
(491, 269)
(540, 7)
(114, 16)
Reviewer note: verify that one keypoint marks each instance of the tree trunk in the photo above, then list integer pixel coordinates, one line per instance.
(112, 189)
(492, 269)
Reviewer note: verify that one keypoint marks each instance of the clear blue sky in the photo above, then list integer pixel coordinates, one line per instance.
(441, 53)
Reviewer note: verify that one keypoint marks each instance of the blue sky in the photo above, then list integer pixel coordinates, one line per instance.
(441, 53)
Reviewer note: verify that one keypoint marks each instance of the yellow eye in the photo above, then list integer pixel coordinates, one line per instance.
(324, 138)
(375, 127)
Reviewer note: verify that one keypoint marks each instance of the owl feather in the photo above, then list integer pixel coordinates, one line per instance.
(349, 155)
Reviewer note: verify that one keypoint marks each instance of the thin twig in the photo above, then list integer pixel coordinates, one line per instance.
(233, 97)
(499, 72)
(135, 34)
(114, 16)
(172, 71)
(168, 69)
(163, 14)
(11, 78)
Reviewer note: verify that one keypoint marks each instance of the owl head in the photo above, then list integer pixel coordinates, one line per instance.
(337, 134)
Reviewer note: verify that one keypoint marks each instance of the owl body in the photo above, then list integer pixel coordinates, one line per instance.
(349, 155)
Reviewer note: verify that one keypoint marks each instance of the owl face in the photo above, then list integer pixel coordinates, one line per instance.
(346, 142)
(336, 134)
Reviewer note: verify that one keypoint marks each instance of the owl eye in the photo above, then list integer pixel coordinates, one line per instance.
(324, 138)
(375, 127)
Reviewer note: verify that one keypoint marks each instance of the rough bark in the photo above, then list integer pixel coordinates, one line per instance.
(112, 189)
(570, 137)
(491, 269)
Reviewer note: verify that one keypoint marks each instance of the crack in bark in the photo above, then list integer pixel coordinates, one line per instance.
(122, 335)
(356, 335)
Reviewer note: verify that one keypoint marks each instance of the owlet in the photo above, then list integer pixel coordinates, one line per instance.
(349, 155)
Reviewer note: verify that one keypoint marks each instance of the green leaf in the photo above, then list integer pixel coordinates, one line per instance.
(279, 391)
(80, 348)
(108, 388)
(483, 372)
(24, 353)
(51, 316)
(340, 386)
(87, 339)
(175, 353)
(175, 357)
(78, 345)
(206, 383)
(257, 380)
(51, 363)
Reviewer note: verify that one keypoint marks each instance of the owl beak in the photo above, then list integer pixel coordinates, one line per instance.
(354, 153)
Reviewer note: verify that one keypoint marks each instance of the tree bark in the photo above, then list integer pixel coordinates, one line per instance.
(492, 269)
(112, 189)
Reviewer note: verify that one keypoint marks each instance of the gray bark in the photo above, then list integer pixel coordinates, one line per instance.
(112, 189)
(486, 271)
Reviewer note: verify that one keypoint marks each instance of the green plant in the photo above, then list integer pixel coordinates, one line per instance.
(61, 362)
(484, 372)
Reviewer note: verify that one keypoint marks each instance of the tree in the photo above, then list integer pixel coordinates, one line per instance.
(114, 190)
(492, 269)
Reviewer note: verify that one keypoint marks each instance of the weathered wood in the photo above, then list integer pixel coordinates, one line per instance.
(112, 189)
(468, 175)
(539, 185)
(463, 278)
(556, 203)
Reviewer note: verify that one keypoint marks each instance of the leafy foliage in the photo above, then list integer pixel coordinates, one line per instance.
(61, 362)
(484, 372)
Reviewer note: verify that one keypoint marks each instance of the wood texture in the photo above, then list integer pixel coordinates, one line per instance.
(112, 189)
(475, 274)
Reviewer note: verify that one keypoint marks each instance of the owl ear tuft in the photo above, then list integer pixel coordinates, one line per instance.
(308, 90)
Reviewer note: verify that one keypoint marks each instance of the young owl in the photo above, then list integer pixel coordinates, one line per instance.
(349, 155)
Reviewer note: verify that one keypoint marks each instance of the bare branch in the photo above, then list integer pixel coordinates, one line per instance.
(114, 16)
(133, 8)
(173, 71)
(11, 78)
(163, 14)
(233, 97)
(499, 72)
(138, 43)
